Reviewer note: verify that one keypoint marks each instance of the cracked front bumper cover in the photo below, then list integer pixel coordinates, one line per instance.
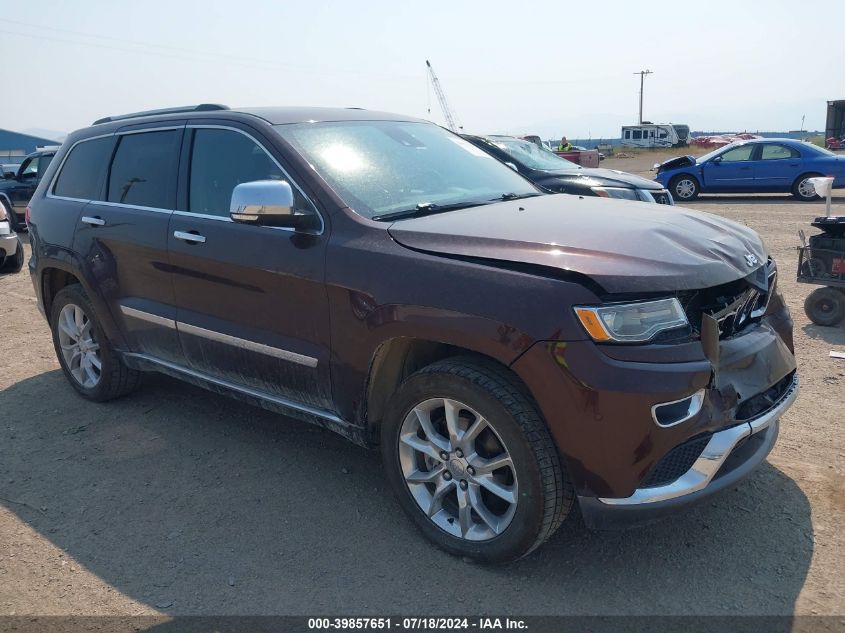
(730, 455)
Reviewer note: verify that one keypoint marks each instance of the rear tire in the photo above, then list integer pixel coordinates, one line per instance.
(445, 475)
(803, 190)
(684, 187)
(825, 306)
(81, 345)
(13, 263)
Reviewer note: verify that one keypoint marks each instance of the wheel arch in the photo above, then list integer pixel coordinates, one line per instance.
(53, 276)
(397, 358)
(687, 174)
(53, 279)
(804, 174)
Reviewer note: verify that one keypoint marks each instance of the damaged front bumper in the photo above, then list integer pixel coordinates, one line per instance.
(646, 429)
(728, 456)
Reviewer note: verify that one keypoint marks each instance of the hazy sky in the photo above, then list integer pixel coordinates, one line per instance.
(511, 67)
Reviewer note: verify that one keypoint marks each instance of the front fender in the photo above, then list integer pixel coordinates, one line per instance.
(379, 290)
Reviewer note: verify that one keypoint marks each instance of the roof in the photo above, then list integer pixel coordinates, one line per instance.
(774, 140)
(285, 115)
(272, 115)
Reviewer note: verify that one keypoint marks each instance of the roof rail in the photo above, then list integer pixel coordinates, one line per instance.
(203, 107)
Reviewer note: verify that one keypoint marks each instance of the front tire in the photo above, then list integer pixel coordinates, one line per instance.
(825, 306)
(803, 190)
(472, 462)
(85, 354)
(684, 187)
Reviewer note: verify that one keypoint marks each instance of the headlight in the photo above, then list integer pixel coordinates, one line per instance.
(631, 322)
(2, 211)
(616, 192)
(5, 229)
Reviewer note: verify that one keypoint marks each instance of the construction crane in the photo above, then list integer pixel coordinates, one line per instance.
(441, 97)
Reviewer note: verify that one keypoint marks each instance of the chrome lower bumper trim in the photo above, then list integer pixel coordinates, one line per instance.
(711, 459)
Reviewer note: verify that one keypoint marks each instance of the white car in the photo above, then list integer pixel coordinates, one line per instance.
(11, 248)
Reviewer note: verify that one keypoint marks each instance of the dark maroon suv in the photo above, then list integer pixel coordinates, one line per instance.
(509, 351)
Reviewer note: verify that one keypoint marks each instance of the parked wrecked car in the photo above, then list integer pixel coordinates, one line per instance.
(508, 352)
(556, 174)
(754, 166)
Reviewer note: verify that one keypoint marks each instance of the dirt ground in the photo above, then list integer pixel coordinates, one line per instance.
(178, 501)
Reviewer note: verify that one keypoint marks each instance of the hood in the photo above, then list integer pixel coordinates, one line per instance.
(603, 177)
(675, 163)
(623, 246)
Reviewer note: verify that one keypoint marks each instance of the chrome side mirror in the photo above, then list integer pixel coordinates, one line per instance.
(268, 203)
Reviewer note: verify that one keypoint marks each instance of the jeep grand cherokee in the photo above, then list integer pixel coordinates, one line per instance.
(379, 276)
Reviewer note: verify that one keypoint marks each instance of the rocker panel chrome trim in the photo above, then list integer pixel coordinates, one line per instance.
(148, 317)
(252, 346)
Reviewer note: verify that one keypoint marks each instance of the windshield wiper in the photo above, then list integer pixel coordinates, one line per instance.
(516, 196)
(428, 208)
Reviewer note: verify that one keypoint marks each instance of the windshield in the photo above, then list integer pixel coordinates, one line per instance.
(383, 167)
(532, 155)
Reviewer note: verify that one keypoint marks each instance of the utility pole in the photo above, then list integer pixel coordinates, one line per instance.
(642, 75)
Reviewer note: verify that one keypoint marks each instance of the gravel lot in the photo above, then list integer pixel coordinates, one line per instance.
(178, 501)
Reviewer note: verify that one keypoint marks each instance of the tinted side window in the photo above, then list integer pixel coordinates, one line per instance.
(44, 163)
(82, 172)
(144, 169)
(221, 160)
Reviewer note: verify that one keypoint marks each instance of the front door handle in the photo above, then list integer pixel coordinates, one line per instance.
(192, 237)
(93, 221)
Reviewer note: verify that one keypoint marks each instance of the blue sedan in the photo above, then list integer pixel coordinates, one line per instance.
(771, 165)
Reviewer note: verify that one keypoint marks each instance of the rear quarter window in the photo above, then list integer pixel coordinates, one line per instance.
(82, 172)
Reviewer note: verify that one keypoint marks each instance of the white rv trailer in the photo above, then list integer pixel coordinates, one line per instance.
(655, 135)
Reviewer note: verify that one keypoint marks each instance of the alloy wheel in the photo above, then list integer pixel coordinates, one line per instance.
(458, 469)
(806, 189)
(80, 349)
(685, 188)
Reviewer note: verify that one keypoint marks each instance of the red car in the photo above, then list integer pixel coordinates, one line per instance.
(835, 143)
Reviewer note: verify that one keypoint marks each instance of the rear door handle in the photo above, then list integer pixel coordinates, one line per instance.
(194, 238)
(93, 221)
